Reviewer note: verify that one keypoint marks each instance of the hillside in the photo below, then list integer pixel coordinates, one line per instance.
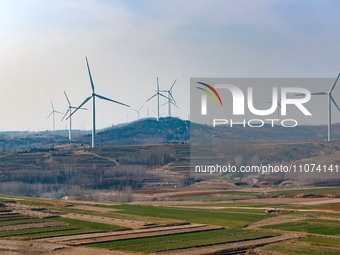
(165, 131)
(173, 130)
(148, 131)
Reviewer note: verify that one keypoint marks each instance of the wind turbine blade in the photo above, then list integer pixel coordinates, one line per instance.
(65, 114)
(49, 115)
(171, 97)
(163, 96)
(165, 103)
(108, 99)
(134, 110)
(335, 103)
(174, 104)
(157, 85)
(88, 68)
(58, 112)
(335, 83)
(319, 93)
(140, 108)
(85, 101)
(52, 106)
(151, 97)
(67, 99)
(73, 107)
(172, 85)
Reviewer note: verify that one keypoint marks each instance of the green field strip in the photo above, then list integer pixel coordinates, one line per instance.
(89, 225)
(313, 226)
(23, 221)
(32, 231)
(320, 240)
(10, 215)
(177, 241)
(67, 232)
(315, 191)
(193, 215)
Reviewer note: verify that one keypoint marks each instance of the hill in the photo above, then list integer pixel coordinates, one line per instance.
(148, 131)
(165, 131)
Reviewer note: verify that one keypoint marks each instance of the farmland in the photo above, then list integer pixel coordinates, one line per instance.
(143, 199)
(175, 226)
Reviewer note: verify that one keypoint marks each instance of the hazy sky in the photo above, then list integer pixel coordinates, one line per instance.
(43, 45)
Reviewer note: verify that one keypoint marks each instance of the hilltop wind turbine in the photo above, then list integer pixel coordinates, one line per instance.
(278, 110)
(157, 94)
(93, 97)
(330, 100)
(137, 111)
(171, 99)
(70, 107)
(52, 113)
(156, 113)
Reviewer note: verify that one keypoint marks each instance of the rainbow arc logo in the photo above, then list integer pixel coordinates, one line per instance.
(212, 93)
(209, 92)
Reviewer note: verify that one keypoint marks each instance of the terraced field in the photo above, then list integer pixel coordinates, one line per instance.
(173, 227)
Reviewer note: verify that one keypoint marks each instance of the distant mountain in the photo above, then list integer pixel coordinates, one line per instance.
(166, 131)
(267, 133)
(147, 131)
(174, 130)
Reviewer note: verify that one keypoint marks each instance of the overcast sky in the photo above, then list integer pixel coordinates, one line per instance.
(43, 45)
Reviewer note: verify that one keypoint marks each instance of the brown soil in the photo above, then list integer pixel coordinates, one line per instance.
(29, 210)
(159, 232)
(275, 220)
(91, 251)
(95, 209)
(128, 234)
(106, 220)
(32, 225)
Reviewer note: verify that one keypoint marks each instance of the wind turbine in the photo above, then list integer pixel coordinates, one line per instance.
(52, 113)
(171, 99)
(156, 113)
(70, 107)
(93, 97)
(278, 110)
(330, 100)
(157, 94)
(137, 111)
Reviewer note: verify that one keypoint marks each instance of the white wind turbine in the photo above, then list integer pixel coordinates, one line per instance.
(93, 97)
(52, 113)
(330, 100)
(161, 114)
(70, 107)
(157, 94)
(137, 111)
(171, 99)
(278, 110)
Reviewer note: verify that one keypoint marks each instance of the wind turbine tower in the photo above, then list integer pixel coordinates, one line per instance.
(70, 107)
(137, 111)
(158, 93)
(171, 99)
(330, 100)
(53, 113)
(93, 97)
